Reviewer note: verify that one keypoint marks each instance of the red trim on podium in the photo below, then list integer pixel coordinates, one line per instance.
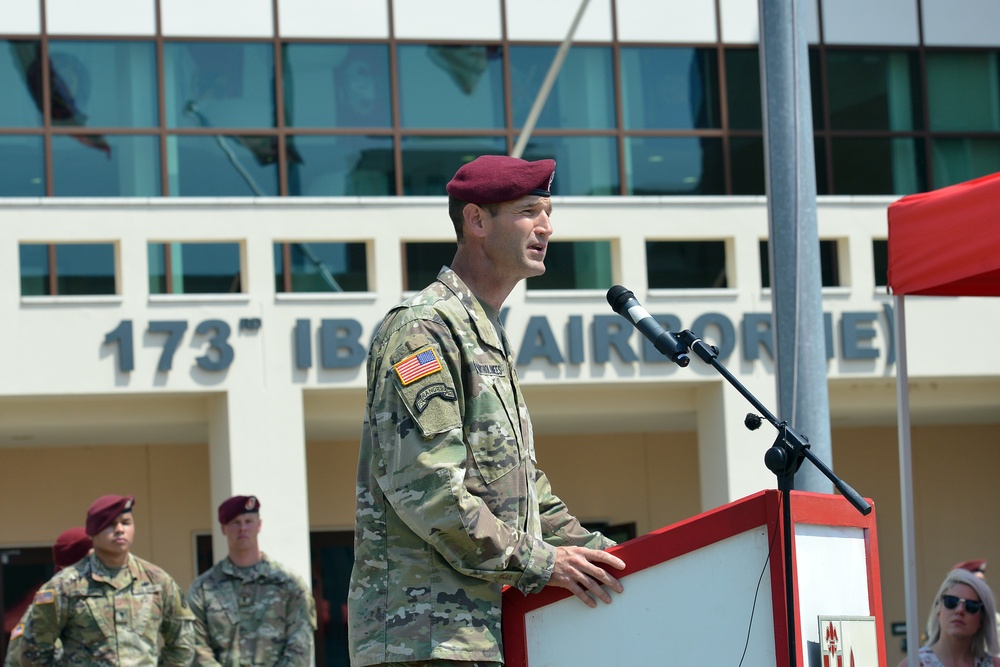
(760, 509)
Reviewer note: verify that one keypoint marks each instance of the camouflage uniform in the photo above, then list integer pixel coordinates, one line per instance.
(13, 657)
(259, 615)
(109, 618)
(450, 505)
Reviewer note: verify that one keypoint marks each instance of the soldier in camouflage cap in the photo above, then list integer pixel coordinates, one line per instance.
(450, 505)
(250, 610)
(110, 608)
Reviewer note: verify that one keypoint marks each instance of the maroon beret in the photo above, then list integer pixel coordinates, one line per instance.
(70, 546)
(106, 509)
(491, 179)
(237, 505)
(971, 566)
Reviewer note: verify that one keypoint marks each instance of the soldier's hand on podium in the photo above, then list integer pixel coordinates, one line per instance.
(577, 571)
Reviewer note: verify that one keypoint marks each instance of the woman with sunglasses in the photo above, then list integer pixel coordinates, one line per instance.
(957, 634)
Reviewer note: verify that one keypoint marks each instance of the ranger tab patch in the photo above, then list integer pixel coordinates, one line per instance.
(417, 365)
(45, 597)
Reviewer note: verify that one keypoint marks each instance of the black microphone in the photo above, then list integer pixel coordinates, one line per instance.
(624, 303)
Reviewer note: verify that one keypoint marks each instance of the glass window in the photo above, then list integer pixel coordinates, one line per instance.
(971, 77)
(582, 96)
(423, 261)
(115, 165)
(670, 88)
(880, 262)
(575, 265)
(957, 160)
(686, 264)
(743, 89)
(22, 165)
(21, 83)
(194, 268)
(877, 166)
(829, 264)
(337, 85)
(79, 269)
(219, 84)
(873, 90)
(584, 165)
(224, 165)
(430, 162)
(746, 159)
(342, 166)
(674, 166)
(103, 84)
(320, 267)
(451, 86)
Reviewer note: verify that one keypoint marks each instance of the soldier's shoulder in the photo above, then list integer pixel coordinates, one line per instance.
(153, 572)
(284, 574)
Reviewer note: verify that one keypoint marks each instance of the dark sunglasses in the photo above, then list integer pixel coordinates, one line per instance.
(971, 606)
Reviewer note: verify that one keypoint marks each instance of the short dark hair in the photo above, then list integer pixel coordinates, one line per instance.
(456, 211)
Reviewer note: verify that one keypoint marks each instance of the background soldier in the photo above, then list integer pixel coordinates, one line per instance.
(111, 608)
(70, 546)
(450, 505)
(250, 610)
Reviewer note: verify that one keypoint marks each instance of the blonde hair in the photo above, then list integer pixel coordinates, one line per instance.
(984, 643)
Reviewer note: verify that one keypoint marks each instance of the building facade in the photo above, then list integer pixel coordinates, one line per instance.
(207, 208)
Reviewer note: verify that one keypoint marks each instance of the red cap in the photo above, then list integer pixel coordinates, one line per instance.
(106, 509)
(237, 505)
(971, 565)
(491, 179)
(70, 546)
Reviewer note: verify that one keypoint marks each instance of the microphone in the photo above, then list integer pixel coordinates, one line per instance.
(624, 303)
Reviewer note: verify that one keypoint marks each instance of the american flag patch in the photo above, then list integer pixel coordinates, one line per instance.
(417, 366)
(45, 597)
(17, 631)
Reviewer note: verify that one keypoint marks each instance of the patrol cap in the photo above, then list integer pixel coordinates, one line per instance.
(491, 179)
(104, 510)
(70, 546)
(237, 505)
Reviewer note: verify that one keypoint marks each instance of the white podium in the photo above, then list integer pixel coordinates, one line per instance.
(711, 591)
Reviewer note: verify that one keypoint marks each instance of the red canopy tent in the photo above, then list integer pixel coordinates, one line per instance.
(941, 243)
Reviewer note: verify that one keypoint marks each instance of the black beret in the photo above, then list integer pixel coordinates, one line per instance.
(237, 505)
(70, 546)
(491, 179)
(106, 509)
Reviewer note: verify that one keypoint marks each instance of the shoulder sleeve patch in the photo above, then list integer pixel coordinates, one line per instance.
(45, 597)
(17, 631)
(418, 365)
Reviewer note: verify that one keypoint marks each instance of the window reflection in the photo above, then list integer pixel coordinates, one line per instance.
(223, 165)
(219, 84)
(958, 160)
(582, 97)
(872, 90)
(584, 165)
(343, 166)
(451, 86)
(125, 166)
(422, 261)
(194, 268)
(430, 162)
(686, 264)
(973, 78)
(575, 265)
(674, 166)
(337, 85)
(19, 68)
(877, 166)
(670, 88)
(22, 165)
(79, 269)
(320, 267)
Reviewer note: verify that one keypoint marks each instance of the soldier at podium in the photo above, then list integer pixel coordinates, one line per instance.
(450, 505)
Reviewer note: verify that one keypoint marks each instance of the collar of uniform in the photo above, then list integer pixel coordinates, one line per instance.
(120, 578)
(245, 573)
(487, 332)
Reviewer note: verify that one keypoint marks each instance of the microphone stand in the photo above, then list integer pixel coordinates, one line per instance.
(783, 459)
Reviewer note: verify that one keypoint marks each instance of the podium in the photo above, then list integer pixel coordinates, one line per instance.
(710, 590)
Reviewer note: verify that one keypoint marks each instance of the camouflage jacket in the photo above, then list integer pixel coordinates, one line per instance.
(262, 615)
(450, 505)
(109, 619)
(13, 657)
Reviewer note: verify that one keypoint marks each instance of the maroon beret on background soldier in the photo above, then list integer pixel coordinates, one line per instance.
(70, 546)
(106, 509)
(237, 505)
(492, 179)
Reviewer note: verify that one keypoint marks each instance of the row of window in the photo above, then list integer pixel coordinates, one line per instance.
(266, 118)
(299, 267)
